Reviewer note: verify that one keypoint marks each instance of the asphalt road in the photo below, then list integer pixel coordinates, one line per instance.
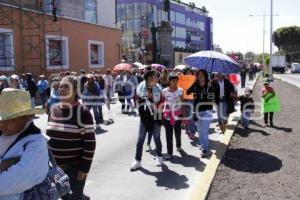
(263, 163)
(293, 79)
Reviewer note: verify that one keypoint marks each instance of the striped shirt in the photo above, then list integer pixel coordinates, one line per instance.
(72, 136)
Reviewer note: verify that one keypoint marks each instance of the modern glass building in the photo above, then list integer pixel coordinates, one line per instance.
(138, 19)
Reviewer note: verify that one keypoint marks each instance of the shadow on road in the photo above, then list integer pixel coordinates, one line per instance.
(287, 130)
(251, 161)
(245, 133)
(100, 131)
(254, 123)
(168, 178)
(187, 160)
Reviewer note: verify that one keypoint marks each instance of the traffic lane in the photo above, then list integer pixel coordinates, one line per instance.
(293, 79)
(262, 162)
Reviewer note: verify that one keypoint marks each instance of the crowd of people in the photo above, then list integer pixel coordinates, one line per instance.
(69, 98)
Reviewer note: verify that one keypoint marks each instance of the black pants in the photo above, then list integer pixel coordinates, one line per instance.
(243, 81)
(77, 187)
(266, 116)
(149, 138)
(121, 96)
(169, 135)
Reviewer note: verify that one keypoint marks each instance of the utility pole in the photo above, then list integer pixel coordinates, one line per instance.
(271, 38)
(264, 31)
(271, 43)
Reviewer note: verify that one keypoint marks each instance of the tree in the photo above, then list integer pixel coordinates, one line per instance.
(260, 57)
(250, 56)
(204, 9)
(192, 5)
(287, 39)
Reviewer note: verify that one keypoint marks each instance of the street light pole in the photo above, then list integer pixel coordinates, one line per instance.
(264, 31)
(271, 43)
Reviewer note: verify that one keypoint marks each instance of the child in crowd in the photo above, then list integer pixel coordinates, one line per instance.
(270, 103)
(172, 110)
(247, 107)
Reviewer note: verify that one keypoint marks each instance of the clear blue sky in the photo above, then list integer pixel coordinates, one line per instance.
(234, 30)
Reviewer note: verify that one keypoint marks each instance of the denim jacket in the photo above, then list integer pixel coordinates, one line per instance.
(31, 170)
(141, 91)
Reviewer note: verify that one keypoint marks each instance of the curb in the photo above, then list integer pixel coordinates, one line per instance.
(201, 187)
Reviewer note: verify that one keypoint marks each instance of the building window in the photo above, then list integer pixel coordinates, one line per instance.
(173, 19)
(91, 11)
(7, 54)
(57, 52)
(180, 44)
(202, 26)
(180, 32)
(96, 54)
(180, 18)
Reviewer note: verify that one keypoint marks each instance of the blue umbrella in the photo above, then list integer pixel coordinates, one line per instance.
(213, 61)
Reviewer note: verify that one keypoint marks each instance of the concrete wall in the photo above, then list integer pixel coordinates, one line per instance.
(106, 12)
(73, 8)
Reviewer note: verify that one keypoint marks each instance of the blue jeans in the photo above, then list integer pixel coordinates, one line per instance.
(43, 98)
(187, 110)
(97, 110)
(203, 124)
(141, 139)
(246, 114)
(129, 97)
(222, 112)
(32, 102)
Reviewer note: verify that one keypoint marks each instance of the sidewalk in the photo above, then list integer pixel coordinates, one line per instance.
(263, 163)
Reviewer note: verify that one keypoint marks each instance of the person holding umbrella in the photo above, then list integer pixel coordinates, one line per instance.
(203, 107)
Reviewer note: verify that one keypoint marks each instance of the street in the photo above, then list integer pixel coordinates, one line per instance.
(263, 163)
(293, 79)
(110, 177)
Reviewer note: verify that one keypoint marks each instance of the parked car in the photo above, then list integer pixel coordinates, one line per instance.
(295, 68)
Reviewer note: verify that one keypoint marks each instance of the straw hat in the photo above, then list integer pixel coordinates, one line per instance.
(16, 103)
(14, 76)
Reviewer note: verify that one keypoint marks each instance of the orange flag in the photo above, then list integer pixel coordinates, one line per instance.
(185, 82)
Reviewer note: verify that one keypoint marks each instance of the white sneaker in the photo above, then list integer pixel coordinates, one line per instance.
(159, 161)
(135, 165)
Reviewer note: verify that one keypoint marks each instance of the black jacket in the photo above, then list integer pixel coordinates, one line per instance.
(204, 94)
(228, 88)
(146, 118)
(32, 88)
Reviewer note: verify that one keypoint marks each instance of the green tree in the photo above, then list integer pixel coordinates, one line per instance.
(287, 39)
(250, 56)
(204, 9)
(259, 57)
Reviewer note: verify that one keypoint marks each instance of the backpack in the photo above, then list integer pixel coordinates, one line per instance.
(55, 185)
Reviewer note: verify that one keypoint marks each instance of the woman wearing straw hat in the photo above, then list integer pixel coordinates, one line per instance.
(23, 149)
